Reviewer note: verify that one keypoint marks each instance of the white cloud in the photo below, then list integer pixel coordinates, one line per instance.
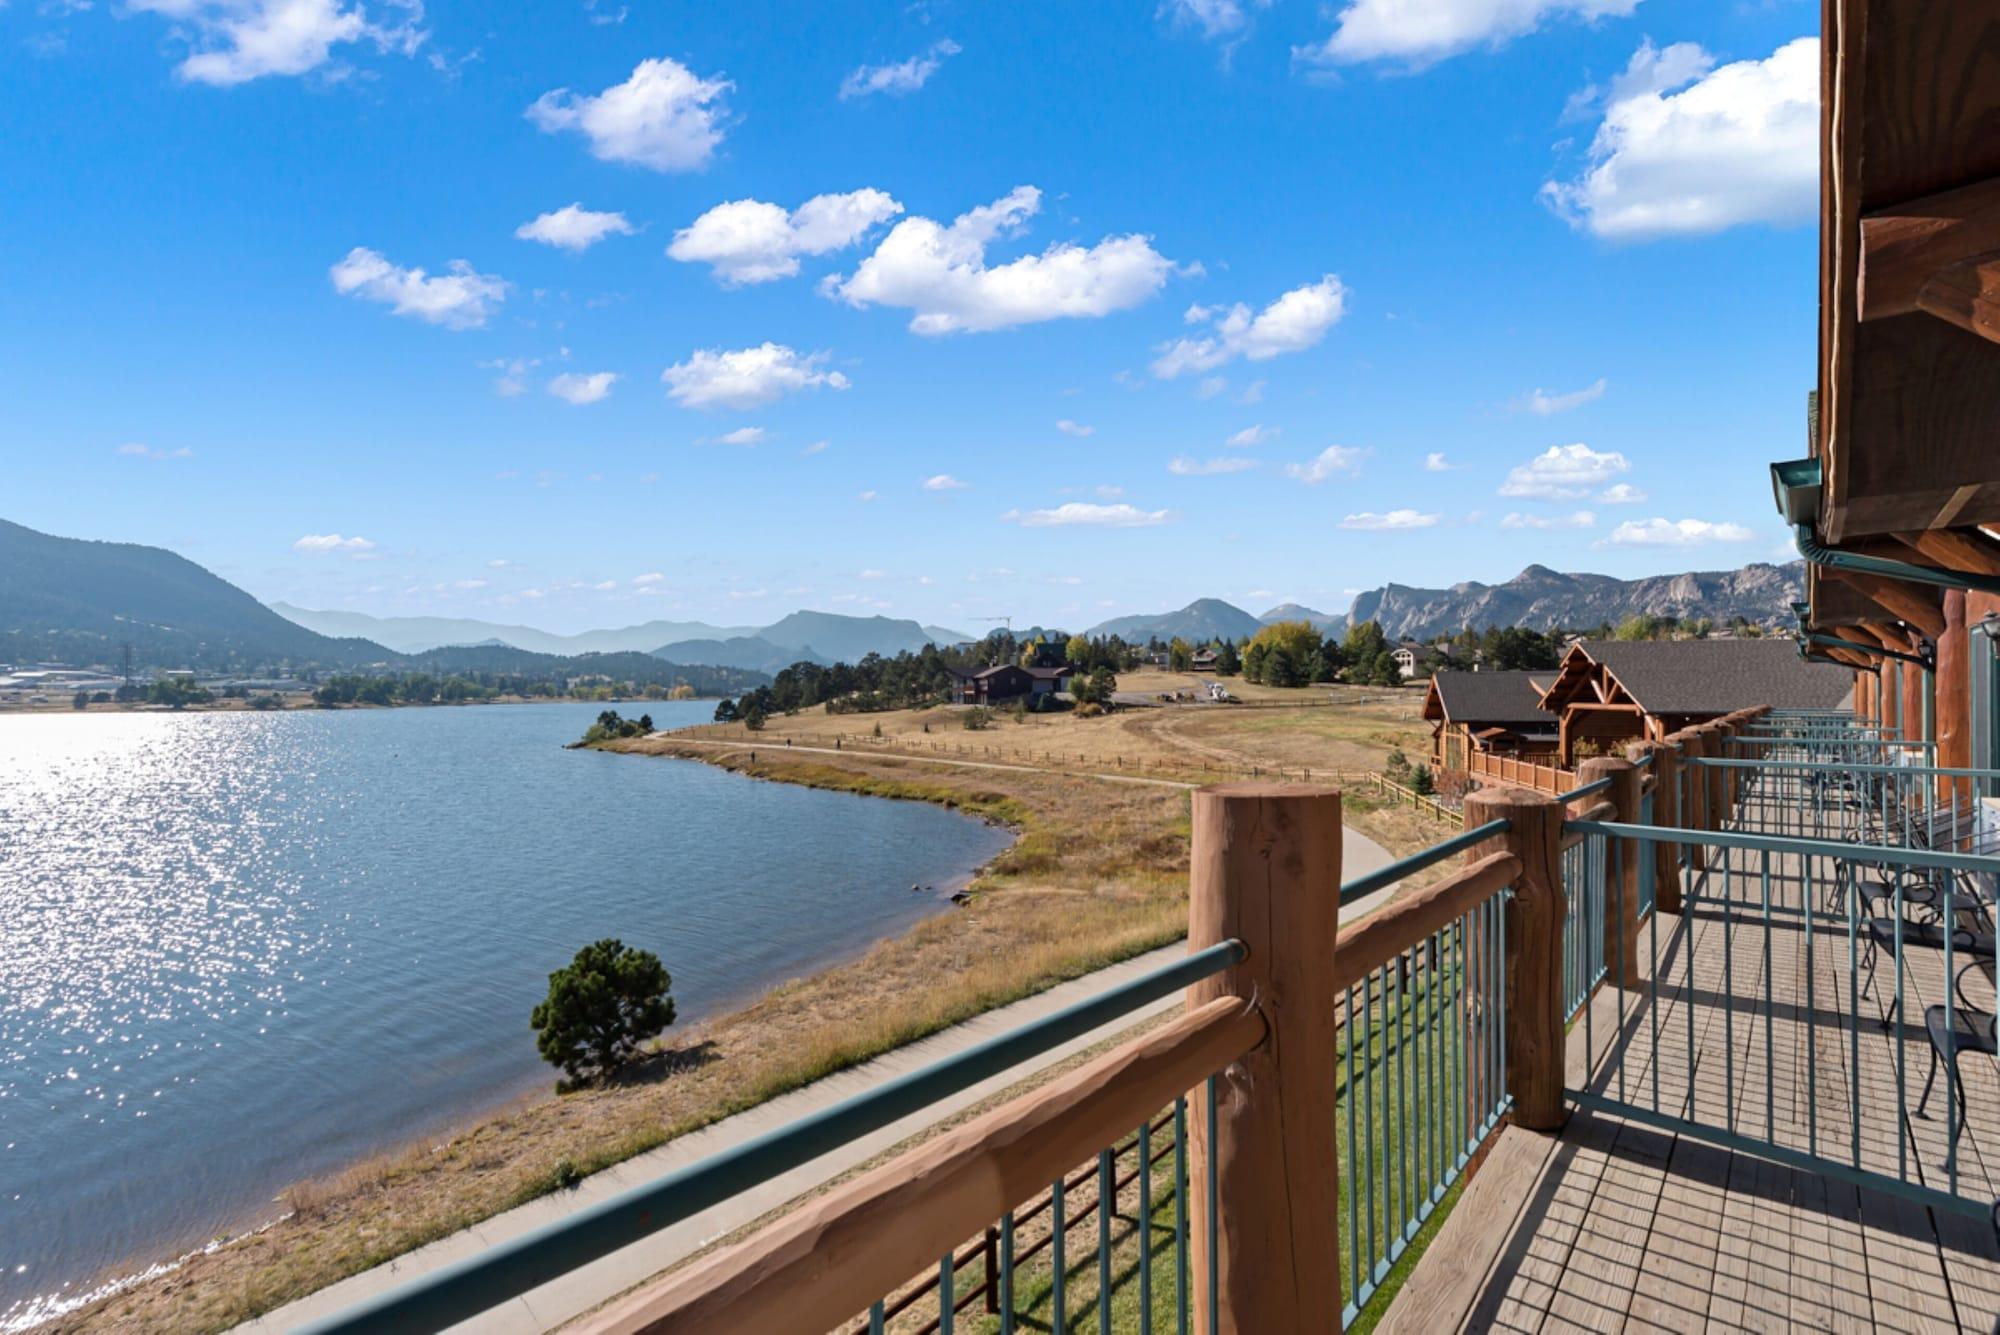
(742, 435)
(650, 577)
(746, 378)
(1544, 404)
(1676, 533)
(944, 482)
(874, 574)
(574, 227)
(513, 377)
(865, 497)
(1333, 461)
(1580, 519)
(1086, 514)
(816, 447)
(1077, 429)
(322, 544)
(1370, 522)
(574, 387)
(903, 77)
(1624, 493)
(459, 298)
(1218, 20)
(1294, 322)
(749, 241)
(940, 272)
(469, 584)
(240, 40)
(1738, 144)
(1418, 32)
(1252, 435)
(136, 450)
(663, 117)
(1186, 467)
(1434, 462)
(1563, 472)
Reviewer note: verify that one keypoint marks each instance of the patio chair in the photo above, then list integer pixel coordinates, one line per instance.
(1968, 1030)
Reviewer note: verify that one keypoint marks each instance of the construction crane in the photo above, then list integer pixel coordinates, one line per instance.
(1008, 622)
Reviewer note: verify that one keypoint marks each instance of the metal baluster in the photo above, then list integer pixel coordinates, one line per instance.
(1106, 1198)
(1007, 1274)
(1058, 1226)
(1770, 999)
(1146, 1227)
(1183, 1272)
(1214, 1215)
(946, 1309)
(1353, 1188)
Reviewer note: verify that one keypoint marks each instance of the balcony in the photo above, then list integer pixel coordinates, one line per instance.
(1655, 1053)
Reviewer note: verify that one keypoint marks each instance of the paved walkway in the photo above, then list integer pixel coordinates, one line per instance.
(553, 1303)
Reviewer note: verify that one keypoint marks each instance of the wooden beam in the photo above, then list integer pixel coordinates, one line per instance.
(1265, 870)
(1915, 605)
(1903, 248)
(1968, 551)
(1967, 295)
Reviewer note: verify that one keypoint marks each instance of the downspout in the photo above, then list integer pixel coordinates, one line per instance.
(1835, 642)
(1833, 559)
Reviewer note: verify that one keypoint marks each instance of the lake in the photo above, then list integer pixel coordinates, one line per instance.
(241, 949)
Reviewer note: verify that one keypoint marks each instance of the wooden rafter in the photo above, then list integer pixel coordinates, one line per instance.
(1915, 605)
(1904, 248)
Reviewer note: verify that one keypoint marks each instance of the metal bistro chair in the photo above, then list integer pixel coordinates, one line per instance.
(1967, 1029)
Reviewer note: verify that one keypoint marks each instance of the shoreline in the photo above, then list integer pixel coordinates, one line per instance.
(306, 704)
(770, 1008)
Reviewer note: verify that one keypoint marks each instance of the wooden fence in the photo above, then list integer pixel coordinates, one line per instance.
(1522, 773)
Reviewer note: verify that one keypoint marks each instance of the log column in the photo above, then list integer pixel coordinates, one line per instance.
(1535, 916)
(1621, 870)
(1694, 792)
(1666, 772)
(1954, 692)
(1266, 871)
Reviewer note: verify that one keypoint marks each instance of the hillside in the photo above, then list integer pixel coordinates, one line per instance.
(844, 639)
(1327, 623)
(741, 651)
(642, 669)
(414, 635)
(72, 600)
(1202, 620)
(1541, 599)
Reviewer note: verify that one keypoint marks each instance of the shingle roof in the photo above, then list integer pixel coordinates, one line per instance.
(1491, 697)
(1717, 676)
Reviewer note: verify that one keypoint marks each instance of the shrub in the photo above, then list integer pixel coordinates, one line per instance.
(1421, 782)
(1397, 766)
(601, 1006)
(1089, 709)
(978, 719)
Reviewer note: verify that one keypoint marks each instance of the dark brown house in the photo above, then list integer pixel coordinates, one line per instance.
(1492, 713)
(1005, 683)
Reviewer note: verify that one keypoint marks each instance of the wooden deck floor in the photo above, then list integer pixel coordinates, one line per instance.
(1615, 1225)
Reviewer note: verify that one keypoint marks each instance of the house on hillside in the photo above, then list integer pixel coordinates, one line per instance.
(1410, 657)
(1006, 683)
(1609, 692)
(1490, 714)
(1202, 660)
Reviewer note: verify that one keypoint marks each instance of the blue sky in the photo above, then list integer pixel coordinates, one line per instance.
(1046, 311)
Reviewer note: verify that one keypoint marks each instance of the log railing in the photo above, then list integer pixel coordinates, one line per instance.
(1525, 773)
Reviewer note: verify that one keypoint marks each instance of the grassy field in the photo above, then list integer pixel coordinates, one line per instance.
(1096, 874)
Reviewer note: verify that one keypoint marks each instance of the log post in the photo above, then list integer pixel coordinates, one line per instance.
(1694, 792)
(1666, 772)
(1715, 744)
(1621, 869)
(1265, 870)
(1954, 694)
(1534, 920)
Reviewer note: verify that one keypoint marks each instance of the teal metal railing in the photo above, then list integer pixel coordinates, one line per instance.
(1423, 1075)
(1838, 938)
(467, 1289)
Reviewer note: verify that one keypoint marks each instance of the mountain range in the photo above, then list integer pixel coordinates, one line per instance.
(70, 600)
(1542, 599)
(813, 637)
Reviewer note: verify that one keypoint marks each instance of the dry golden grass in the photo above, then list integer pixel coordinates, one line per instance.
(1332, 729)
(1097, 874)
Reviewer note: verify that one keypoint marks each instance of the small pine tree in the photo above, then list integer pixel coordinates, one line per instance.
(1421, 782)
(601, 1006)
